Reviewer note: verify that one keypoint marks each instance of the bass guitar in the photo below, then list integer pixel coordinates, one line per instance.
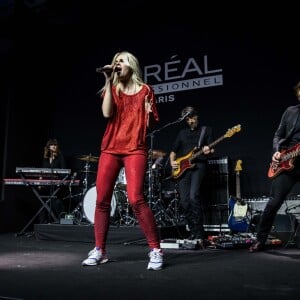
(238, 220)
(286, 162)
(187, 161)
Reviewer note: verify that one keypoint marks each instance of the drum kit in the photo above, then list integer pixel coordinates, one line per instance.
(164, 203)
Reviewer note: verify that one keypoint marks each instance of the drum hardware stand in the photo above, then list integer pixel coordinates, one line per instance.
(153, 204)
(161, 209)
(118, 217)
(173, 208)
(69, 215)
(86, 167)
(128, 220)
(123, 209)
(78, 212)
(163, 215)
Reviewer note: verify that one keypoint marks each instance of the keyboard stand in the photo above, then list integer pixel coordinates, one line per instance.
(45, 205)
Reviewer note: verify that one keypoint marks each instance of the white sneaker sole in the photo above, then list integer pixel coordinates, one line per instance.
(154, 268)
(93, 262)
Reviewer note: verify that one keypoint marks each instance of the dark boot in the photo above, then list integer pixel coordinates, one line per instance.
(257, 246)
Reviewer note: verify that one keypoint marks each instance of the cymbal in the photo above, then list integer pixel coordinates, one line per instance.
(88, 158)
(157, 153)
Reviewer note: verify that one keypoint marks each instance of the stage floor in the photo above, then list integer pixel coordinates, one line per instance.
(43, 269)
(116, 234)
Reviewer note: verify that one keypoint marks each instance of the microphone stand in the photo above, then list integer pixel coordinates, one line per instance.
(150, 173)
(150, 158)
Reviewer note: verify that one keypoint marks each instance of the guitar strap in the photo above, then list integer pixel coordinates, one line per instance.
(203, 128)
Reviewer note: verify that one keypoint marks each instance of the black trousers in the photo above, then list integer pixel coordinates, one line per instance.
(189, 186)
(281, 186)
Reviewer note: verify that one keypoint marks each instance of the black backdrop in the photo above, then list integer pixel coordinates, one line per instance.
(50, 52)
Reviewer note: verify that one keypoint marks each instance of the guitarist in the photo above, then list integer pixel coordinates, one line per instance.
(189, 183)
(286, 136)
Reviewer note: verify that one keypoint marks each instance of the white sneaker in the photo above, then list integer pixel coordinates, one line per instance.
(156, 260)
(95, 257)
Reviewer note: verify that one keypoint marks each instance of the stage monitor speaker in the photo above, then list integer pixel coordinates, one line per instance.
(283, 228)
(284, 223)
(297, 235)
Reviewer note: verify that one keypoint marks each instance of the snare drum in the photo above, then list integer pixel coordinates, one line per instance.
(89, 204)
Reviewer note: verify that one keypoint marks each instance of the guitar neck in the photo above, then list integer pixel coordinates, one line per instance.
(200, 151)
(238, 186)
(216, 141)
(290, 155)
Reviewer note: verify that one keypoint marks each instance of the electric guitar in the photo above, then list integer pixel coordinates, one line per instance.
(286, 161)
(237, 220)
(187, 161)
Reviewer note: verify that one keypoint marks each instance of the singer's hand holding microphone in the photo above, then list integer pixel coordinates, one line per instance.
(108, 69)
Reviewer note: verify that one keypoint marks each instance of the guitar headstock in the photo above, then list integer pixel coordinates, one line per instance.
(238, 166)
(230, 132)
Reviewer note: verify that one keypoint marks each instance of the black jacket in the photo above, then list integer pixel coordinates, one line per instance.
(286, 127)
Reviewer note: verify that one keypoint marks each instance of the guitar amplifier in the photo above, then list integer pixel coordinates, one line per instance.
(286, 219)
(217, 166)
(216, 191)
(257, 205)
(289, 206)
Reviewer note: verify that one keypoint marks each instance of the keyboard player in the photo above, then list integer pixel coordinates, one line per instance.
(53, 158)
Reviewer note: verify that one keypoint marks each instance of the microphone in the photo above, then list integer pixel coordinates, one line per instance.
(107, 69)
(185, 115)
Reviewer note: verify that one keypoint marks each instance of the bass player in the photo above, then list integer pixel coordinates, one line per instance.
(284, 173)
(190, 177)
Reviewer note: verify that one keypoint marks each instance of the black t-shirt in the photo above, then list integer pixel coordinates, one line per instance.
(57, 163)
(188, 139)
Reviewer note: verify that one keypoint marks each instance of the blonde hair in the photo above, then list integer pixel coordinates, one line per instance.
(134, 65)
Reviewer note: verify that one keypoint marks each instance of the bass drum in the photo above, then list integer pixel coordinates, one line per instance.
(89, 204)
